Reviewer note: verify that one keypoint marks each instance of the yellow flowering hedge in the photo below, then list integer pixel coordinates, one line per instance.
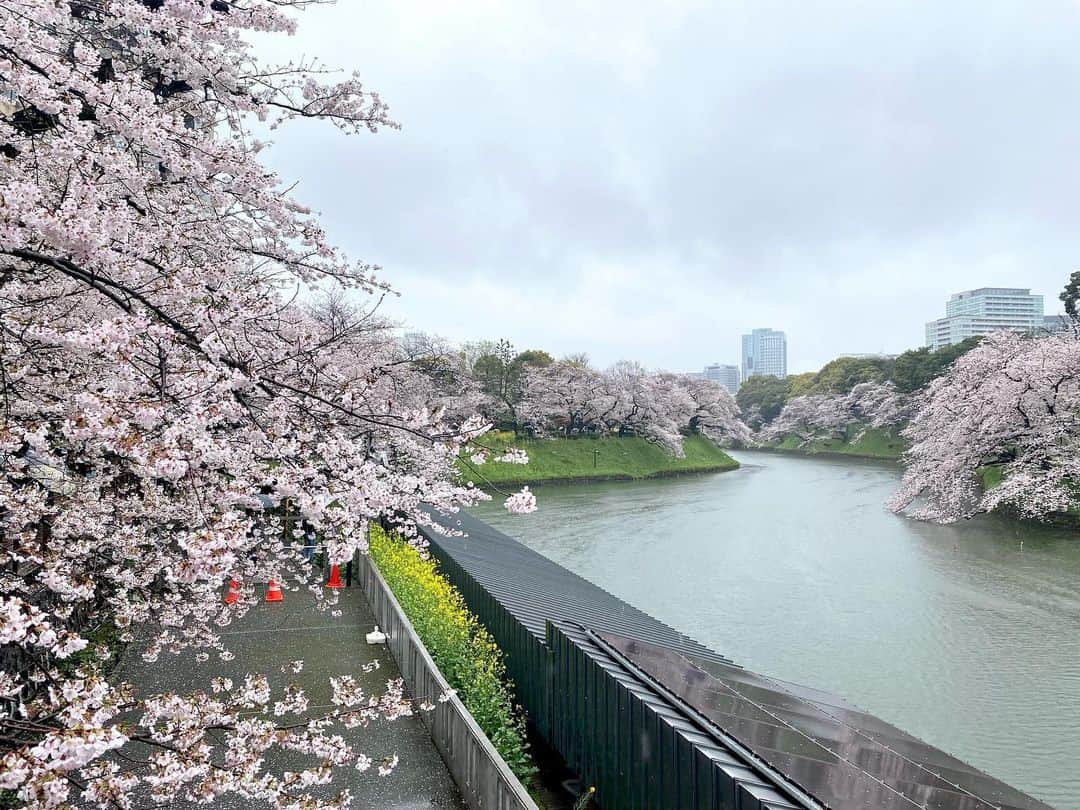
(461, 647)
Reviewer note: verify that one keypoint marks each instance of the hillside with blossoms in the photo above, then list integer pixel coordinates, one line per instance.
(990, 424)
(579, 422)
(853, 405)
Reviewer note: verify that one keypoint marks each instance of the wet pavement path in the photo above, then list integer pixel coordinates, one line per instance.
(271, 635)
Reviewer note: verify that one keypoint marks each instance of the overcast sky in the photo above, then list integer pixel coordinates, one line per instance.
(649, 180)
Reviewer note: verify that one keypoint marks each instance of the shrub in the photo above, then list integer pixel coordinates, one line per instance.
(460, 646)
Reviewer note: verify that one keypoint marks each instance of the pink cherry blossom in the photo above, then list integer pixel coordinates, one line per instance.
(194, 381)
(1012, 402)
(521, 503)
(569, 400)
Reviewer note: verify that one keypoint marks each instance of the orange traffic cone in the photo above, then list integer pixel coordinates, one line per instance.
(273, 592)
(233, 596)
(335, 578)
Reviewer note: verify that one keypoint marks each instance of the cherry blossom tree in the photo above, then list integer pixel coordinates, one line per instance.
(879, 405)
(648, 407)
(714, 413)
(566, 399)
(573, 400)
(867, 406)
(807, 417)
(172, 415)
(1011, 402)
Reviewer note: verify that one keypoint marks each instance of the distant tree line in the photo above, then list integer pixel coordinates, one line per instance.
(762, 399)
(1006, 404)
(533, 394)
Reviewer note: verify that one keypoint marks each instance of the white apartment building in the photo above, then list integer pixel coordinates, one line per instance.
(985, 310)
(727, 376)
(764, 352)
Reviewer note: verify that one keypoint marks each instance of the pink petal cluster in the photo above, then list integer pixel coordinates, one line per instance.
(513, 456)
(521, 503)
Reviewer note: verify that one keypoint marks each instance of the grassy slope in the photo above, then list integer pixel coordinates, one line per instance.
(873, 444)
(619, 458)
(991, 475)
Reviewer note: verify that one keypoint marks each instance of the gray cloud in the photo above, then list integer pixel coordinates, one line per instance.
(648, 182)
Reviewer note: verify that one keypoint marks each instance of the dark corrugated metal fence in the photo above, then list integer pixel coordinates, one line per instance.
(637, 749)
(628, 742)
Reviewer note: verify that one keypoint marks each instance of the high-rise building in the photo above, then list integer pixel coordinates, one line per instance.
(985, 310)
(764, 351)
(727, 376)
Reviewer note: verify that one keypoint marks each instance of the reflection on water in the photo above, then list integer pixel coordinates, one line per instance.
(967, 636)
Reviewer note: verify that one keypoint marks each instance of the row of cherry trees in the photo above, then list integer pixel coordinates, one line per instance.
(868, 405)
(170, 413)
(569, 399)
(535, 395)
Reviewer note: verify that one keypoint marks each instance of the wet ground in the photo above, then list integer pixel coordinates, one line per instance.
(272, 634)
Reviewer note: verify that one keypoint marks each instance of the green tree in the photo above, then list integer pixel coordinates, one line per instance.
(534, 357)
(839, 376)
(761, 398)
(1071, 294)
(500, 370)
(915, 368)
(799, 384)
(498, 376)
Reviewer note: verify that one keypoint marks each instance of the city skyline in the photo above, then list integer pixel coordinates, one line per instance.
(966, 316)
(719, 358)
(1049, 319)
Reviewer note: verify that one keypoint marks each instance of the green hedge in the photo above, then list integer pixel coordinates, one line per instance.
(461, 647)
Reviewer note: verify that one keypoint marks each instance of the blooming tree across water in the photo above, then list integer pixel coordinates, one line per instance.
(868, 405)
(574, 400)
(171, 416)
(1013, 402)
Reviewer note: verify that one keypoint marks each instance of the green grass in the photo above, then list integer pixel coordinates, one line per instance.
(991, 475)
(874, 443)
(627, 457)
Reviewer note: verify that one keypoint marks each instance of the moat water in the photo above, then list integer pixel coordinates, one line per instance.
(967, 636)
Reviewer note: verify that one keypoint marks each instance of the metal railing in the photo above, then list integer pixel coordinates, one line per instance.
(484, 779)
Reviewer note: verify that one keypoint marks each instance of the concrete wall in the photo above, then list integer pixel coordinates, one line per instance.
(485, 781)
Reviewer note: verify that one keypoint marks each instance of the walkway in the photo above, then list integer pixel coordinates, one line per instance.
(271, 634)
